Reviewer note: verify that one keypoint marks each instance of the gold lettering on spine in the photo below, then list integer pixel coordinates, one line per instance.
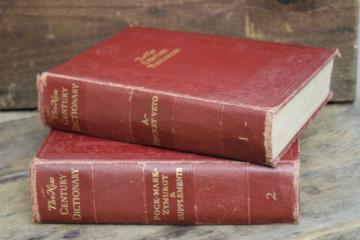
(66, 110)
(54, 99)
(180, 194)
(75, 184)
(50, 191)
(154, 121)
(64, 187)
(74, 115)
(64, 106)
(64, 203)
(165, 195)
(156, 195)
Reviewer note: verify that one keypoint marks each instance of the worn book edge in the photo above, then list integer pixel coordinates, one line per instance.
(33, 193)
(296, 213)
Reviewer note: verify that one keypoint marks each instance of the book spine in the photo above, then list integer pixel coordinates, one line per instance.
(148, 117)
(164, 193)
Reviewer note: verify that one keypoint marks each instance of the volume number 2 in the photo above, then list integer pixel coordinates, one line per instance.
(271, 195)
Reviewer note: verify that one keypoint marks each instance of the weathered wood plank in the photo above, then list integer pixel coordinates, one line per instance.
(330, 193)
(13, 115)
(38, 34)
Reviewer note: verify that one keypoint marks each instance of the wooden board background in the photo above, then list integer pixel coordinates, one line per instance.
(38, 34)
(329, 188)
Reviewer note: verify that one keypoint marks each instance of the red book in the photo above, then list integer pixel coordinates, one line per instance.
(81, 179)
(227, 97)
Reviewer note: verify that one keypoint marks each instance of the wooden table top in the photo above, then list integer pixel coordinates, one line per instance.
(329, 187)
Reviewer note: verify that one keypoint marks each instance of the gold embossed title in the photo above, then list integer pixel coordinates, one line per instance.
(153, 58)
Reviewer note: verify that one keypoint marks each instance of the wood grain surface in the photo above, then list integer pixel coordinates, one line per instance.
(36, 35)
(329, 193)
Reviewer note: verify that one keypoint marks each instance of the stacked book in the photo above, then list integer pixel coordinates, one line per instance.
(161, 127)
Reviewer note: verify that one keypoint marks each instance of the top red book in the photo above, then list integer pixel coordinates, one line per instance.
(228, 97)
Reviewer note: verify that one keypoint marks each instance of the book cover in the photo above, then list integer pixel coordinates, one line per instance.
(227, 97)
(81, 179)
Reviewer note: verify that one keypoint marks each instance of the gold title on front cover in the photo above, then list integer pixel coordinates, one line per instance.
(154, 58)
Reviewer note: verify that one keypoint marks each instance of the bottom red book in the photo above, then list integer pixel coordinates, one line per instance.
(81, 179)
